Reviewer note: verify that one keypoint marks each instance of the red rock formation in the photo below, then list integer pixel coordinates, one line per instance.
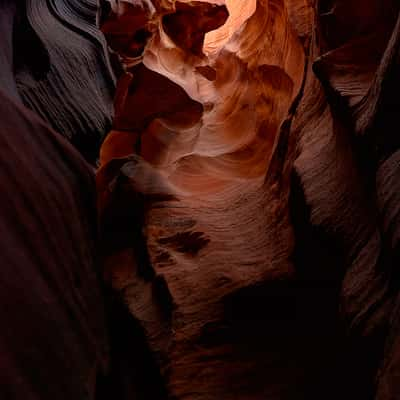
(248, 197)
(224, 103)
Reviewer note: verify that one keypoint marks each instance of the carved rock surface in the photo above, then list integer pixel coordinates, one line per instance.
(249, 163)
(63, 72)
(247, 193)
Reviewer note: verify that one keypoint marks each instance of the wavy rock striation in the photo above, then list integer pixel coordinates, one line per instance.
(62, 70)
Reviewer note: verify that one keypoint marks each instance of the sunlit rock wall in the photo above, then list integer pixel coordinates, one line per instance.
(251, 166)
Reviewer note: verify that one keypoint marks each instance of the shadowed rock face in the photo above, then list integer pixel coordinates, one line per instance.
(53, 339)
(248, 199)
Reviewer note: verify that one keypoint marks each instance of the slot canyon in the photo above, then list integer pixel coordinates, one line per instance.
(200, 200)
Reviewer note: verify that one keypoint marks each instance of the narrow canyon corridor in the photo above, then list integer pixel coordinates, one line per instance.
(201, 200)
